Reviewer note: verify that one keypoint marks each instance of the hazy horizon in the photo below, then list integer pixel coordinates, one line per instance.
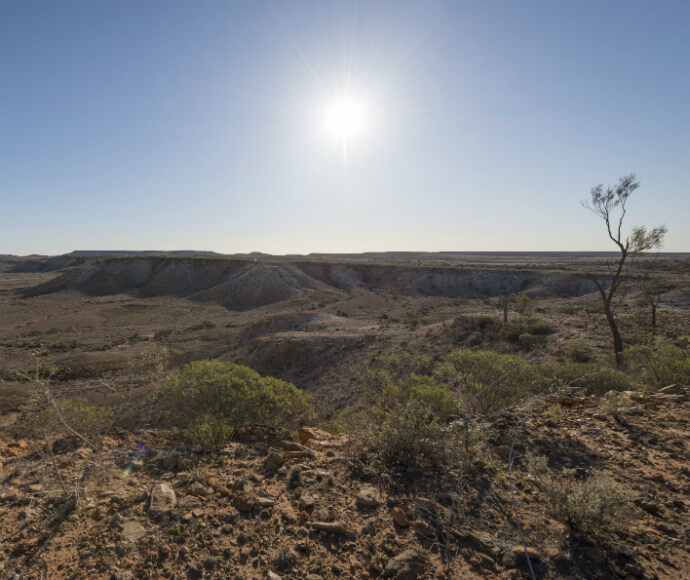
(331, 127)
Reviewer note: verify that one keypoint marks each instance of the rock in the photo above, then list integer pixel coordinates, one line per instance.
(306, 501)
(273, 461)
(519, 552)
(293, 446)
(365, 499)
(132, 530)
(162, 498)
(399, 517)
(332, 527)
(243, 502)
(264, 502)
(406, 566)
(272, 576)
(671, 390)
(307, 433)
(424, 529)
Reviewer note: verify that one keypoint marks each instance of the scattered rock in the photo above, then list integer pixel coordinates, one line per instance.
(132, 530)
(365, 498)
(406, 566)
(332, 527)
(424, 529)
(307, 433)
(399, 517)
(273, 461)
(162, 498)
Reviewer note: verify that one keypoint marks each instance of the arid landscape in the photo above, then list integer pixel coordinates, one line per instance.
(541, 458)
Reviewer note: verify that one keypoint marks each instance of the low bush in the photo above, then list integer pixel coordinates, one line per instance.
(208, 400)
(579, 352)
(566, 309)
(588, 505)
(511, 331)
(77, 414)
(530, 341)
(586, 378)
(491, 381)
(404, 416)
(660, 365)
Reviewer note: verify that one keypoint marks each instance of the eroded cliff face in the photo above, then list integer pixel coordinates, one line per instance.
(240, 284)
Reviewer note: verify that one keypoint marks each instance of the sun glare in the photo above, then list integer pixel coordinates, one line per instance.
(346, 120)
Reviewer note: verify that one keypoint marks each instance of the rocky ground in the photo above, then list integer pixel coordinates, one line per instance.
(306, 507)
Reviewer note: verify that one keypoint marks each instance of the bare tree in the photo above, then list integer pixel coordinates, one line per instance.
(651, 292)
(502, 303)
(610, 205)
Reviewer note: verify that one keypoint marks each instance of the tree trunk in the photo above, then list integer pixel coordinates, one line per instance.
(505, 313)
(617, 340)
(653, 305)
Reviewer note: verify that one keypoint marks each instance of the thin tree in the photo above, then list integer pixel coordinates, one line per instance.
(610, 205)
(652, 291)
(502, 303)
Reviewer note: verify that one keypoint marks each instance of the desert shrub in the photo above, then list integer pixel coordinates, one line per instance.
(617, 405)
(590, 504)
(579, 352)
(529, 341)
(162, 334)
(661, 364)
(203, 325)
(464, 326)
(411, 319)
(586, 378)
(83, 417)
(524, 303)
(414, 437)
(566, 309)
(209, 399)
(404, 418)
(511, 331)
(491, 381)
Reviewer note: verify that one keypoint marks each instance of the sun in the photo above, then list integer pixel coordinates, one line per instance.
(345, 120)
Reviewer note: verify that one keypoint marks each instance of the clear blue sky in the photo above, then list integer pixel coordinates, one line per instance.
(193, 125)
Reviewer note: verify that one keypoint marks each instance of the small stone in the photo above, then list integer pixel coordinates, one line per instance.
(272, 576)
(424, 529)
(519, 552)
(365, 499)
(132, 530)
(406, 566)
(307, 433)
(306, 501)
(332, 527)
(162, 498)
(273, 461)
(399, 517)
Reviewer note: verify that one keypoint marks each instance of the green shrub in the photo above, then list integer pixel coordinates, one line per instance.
(404, 415)
(491, 381)
(210, 399)
(413, 437)
(586, 378)
(511, 331)
(587, 505)
(660, 365)
(411, 319)
(579, 352)
(530, 341)
(203, 325)
(566, 309)
(80, 415)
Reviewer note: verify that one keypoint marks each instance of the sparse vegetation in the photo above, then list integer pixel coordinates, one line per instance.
(586, 505)
(209, 399)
